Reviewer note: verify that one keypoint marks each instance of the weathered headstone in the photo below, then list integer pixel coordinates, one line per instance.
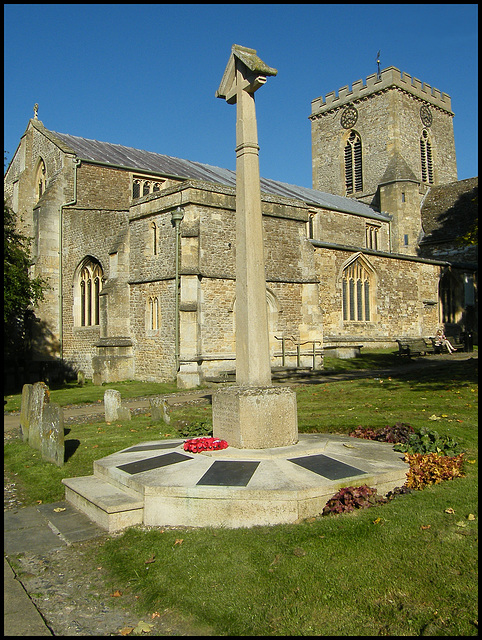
(40, 396)
(25, 410)
(80, 378)
(52, 434)
(113, 408)
(253, 414)
(159, 409)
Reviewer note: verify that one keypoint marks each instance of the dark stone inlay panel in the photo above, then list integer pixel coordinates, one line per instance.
(153, 463)
(229, 473)
(327, 467)
(153, 447)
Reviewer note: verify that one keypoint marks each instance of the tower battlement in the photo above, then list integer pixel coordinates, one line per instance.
(391, 77)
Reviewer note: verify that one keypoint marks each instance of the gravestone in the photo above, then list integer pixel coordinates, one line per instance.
(52, 434)
(160, 409)
(25, 410)
(253, 414)
(113, 408)
(39, 398)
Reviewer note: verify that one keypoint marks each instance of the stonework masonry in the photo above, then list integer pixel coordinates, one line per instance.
(339, 270)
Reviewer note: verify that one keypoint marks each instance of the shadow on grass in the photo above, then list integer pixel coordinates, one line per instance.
(70, 446)
(439, 375)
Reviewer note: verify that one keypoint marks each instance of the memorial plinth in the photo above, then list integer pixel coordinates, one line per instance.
(253, 414)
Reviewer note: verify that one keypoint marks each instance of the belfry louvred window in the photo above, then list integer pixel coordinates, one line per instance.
(353, 164)
(426, 158)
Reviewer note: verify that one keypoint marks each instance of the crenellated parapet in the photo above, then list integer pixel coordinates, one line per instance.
(389, 78)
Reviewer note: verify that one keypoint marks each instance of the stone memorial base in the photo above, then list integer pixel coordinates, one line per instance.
(158, 483)
(255, 417)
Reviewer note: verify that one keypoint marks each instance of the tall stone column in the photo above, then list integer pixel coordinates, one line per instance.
(254, 414)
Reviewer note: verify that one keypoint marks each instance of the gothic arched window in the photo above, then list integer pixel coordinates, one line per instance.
(426, 158)
(353, 164)
(90, 285)
(358, 291)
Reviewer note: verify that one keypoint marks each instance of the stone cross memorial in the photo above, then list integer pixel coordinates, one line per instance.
(253, 414)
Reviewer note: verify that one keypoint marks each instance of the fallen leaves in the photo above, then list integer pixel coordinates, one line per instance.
(59, 509)
(141, 627)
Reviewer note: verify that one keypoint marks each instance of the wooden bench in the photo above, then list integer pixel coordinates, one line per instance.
(415, 346)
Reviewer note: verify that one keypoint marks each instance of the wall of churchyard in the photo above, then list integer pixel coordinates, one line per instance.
(405, 299)
(349, 229)
(98, 234)
(101, 187)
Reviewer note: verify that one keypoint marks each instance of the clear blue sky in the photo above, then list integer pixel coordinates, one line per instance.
(145, 75)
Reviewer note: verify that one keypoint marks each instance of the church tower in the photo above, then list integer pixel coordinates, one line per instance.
(385, 142)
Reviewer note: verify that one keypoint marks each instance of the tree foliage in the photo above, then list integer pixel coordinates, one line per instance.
(20, 290)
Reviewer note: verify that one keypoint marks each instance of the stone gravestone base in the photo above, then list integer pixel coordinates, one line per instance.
(113, 408)
(255, 417)
(159, 409)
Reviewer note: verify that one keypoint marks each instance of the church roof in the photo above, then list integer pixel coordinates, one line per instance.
(137, 159)
(450, 210)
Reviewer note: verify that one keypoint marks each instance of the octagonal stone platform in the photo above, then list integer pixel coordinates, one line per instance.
(157, 483)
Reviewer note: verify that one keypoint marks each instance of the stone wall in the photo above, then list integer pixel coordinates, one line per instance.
(406, 299)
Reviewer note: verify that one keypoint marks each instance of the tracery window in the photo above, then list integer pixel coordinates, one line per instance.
(426, 158)
(90, 283)
(357, 289)
(353, 164)
(40, 180)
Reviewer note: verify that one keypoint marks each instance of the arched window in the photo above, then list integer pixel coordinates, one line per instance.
(426, 158)
(152, 313)
(358, 291)
(353, 164)
(154, 238)
(40, 180)
(90, 286)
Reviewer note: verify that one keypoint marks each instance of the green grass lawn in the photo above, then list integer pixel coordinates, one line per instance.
(408, 567)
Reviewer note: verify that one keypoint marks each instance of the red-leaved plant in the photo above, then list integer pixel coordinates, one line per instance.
(351, 498)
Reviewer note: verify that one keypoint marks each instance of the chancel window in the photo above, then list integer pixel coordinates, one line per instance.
(426, 158)
(353, 164)
(90, 285)
(357, 290)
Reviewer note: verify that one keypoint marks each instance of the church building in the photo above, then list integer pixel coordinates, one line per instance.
(139, 248)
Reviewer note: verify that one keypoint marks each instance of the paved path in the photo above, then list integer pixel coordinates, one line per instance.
(41, 528)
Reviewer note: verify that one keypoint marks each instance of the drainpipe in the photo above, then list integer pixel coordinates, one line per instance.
(77, 162)
(176, 219)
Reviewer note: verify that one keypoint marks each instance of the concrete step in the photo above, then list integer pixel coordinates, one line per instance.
(109, 506)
